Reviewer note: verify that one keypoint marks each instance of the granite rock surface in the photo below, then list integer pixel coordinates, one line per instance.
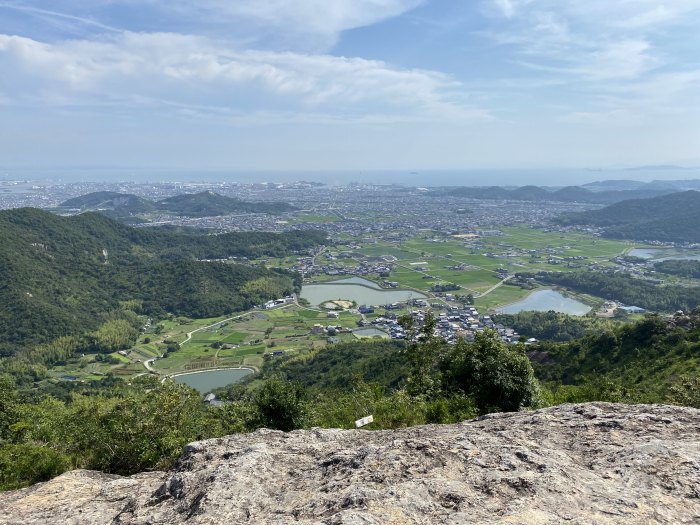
(594, 463)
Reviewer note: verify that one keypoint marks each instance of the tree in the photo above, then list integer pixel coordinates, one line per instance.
(27, 463)
(134, 430)
(686, 392)
(281, 405)
(9, 407)
(498, 377)
(423, 352)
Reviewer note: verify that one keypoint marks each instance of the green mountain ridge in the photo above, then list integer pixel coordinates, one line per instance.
(204, 204)
(641, 362)
(63, 276)
(110, 200)
(208, 203)
(673, 218)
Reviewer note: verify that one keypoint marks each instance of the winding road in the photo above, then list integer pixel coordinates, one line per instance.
(188, 337)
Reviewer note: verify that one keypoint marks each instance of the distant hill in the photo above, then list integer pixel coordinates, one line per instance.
(204, 204)
(614, 185)
(63, 276)
(538, 194)
(572, 194)
(669, 186)
(678, 185)
(210, 204)
(109, 200)
(532, 193)
(673, 218)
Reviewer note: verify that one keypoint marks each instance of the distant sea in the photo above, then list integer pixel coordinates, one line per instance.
(418, 178)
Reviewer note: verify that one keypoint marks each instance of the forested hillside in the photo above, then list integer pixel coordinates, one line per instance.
(66, 276)
(208, 203)
(671, 218)
(653, 360)
(625, 289)
(552, 326)
(337, 367)
(112, 201)
(683, 268)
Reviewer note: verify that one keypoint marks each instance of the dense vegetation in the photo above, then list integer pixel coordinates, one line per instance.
(626, 289)
(66, 279)
(207, 204)
(669, 218)
(111, 201)
(683, 268)
(653, 360)
(337, 367)
(122, 428)
(204, 204)
(125, 428)
(552, 326)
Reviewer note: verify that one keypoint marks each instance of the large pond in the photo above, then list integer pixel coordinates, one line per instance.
(360, 290)
(546, 300)
(208, 380)
(664, 254)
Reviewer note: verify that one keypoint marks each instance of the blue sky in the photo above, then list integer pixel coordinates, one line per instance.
(348, 84)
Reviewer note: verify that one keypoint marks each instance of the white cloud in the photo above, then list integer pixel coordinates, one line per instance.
(509, 8)
(309, 24)
(594, 40)
(506, 7)
(28, 9)
(602, 13)
(165, 70)
(633, 104)
(318, 16)
(608, 63)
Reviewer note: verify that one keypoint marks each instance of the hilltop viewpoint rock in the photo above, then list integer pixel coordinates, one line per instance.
(594, 463)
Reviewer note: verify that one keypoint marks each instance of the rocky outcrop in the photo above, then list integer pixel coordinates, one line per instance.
(575, 464)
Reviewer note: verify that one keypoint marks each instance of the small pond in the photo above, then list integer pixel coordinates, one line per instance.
(370, 332)
(208, 380)
(359, 290)
(544, 301)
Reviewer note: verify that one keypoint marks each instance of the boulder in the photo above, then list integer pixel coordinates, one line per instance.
(594, 463)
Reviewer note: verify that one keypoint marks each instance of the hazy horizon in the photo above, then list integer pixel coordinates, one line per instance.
(417, 178)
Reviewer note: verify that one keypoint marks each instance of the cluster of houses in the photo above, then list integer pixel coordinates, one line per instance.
(308, 268)
(464, 322)
(452, 324)
(571, 261)
(388, 324)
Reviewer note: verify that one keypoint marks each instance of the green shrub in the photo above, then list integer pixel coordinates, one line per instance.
(26, 463)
